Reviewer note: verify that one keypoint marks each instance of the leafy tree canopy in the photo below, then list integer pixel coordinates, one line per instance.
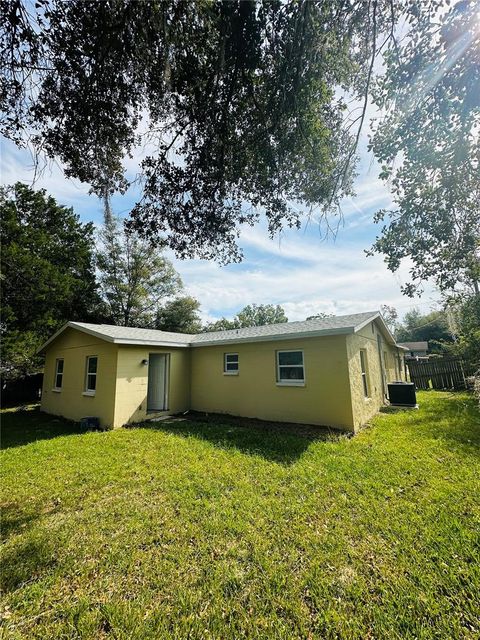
(465, 316)
(48, 274)
(432, 327)
(252, 315)
(241, 104)
(180, 315)
(320, 316)
(239, 99)
(429, 145)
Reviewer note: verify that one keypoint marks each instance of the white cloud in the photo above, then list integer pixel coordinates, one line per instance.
(303, 275)
(297, 270)
(20, 165)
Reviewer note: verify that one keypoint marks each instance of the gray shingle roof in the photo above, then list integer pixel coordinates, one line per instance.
(306, 328)
(133, 334)
(325, 326)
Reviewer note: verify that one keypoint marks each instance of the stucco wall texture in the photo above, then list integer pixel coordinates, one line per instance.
(331, 395)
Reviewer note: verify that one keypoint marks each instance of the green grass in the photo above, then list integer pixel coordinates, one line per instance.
(192, 530)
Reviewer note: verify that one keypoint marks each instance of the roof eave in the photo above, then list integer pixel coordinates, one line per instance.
(41, 350)
(377, 316)
(150, 343)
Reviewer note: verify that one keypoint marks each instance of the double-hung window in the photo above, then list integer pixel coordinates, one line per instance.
(290, 369)
(91, 375)
(58, 382)
(363, 367)
(230, 363)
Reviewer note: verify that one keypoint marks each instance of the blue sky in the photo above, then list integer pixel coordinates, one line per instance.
(298, 270)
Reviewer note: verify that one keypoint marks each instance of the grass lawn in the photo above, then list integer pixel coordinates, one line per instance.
(193, 530)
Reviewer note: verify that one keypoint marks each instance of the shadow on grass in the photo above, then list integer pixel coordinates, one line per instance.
(14, 520)
(27, 424)
(26, 562)
(280, 442)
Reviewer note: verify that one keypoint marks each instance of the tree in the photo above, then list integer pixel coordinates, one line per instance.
(463, 311)
(134, 277)
(48, 274)
(320, 316)
(180, 315)
(252, 315)
(429, 146)
(257, 315)
(242, 104)
(390, 315)
(432, 327)
(244, 109)
(469, 329)
(222, 325)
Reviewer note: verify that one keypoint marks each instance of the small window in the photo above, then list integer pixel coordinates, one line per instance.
(58, 382)
(290, 367)
(363, 366)
(91, 376)
(230, 363)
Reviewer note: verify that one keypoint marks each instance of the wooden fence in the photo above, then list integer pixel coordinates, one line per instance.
(439, 373)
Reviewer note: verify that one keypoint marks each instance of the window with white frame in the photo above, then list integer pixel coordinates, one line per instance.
(58, 381)
(290, 369)
(363, 367)
(91, 374)
(230, 363)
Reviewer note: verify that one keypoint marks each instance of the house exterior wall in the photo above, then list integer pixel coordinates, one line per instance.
(71, 403)
(365, 408)
(332, 394)
(254, 392)
(132, 383)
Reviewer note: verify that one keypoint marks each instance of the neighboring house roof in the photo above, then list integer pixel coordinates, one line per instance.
(414, 346)
(287, 330)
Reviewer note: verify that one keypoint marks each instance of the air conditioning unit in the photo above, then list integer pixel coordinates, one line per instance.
(402, 394)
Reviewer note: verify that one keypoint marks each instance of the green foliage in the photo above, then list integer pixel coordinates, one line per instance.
(207, 531)
(257, 315)
(390, 315)
(224, 324)
(240, 101)
(47, 274)
(134, 277)
(179, 315)
(320, 316)
(253, 315)
(432, 327)
(429, 145)
(465, 312)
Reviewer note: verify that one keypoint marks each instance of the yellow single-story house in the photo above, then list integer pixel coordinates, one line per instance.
(331, 371)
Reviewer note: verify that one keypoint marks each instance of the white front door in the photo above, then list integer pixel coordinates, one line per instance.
(157, 382)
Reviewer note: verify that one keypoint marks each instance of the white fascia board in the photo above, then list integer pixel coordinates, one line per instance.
(377, 316)
(282, 336)
(149, 343)
(360, 326)
(41, 349)
(78, 327)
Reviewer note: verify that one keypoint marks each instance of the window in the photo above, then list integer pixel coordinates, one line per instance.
(363, 366)
(230, 363)
(91, 375)
(290, 367)
(58, 382)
